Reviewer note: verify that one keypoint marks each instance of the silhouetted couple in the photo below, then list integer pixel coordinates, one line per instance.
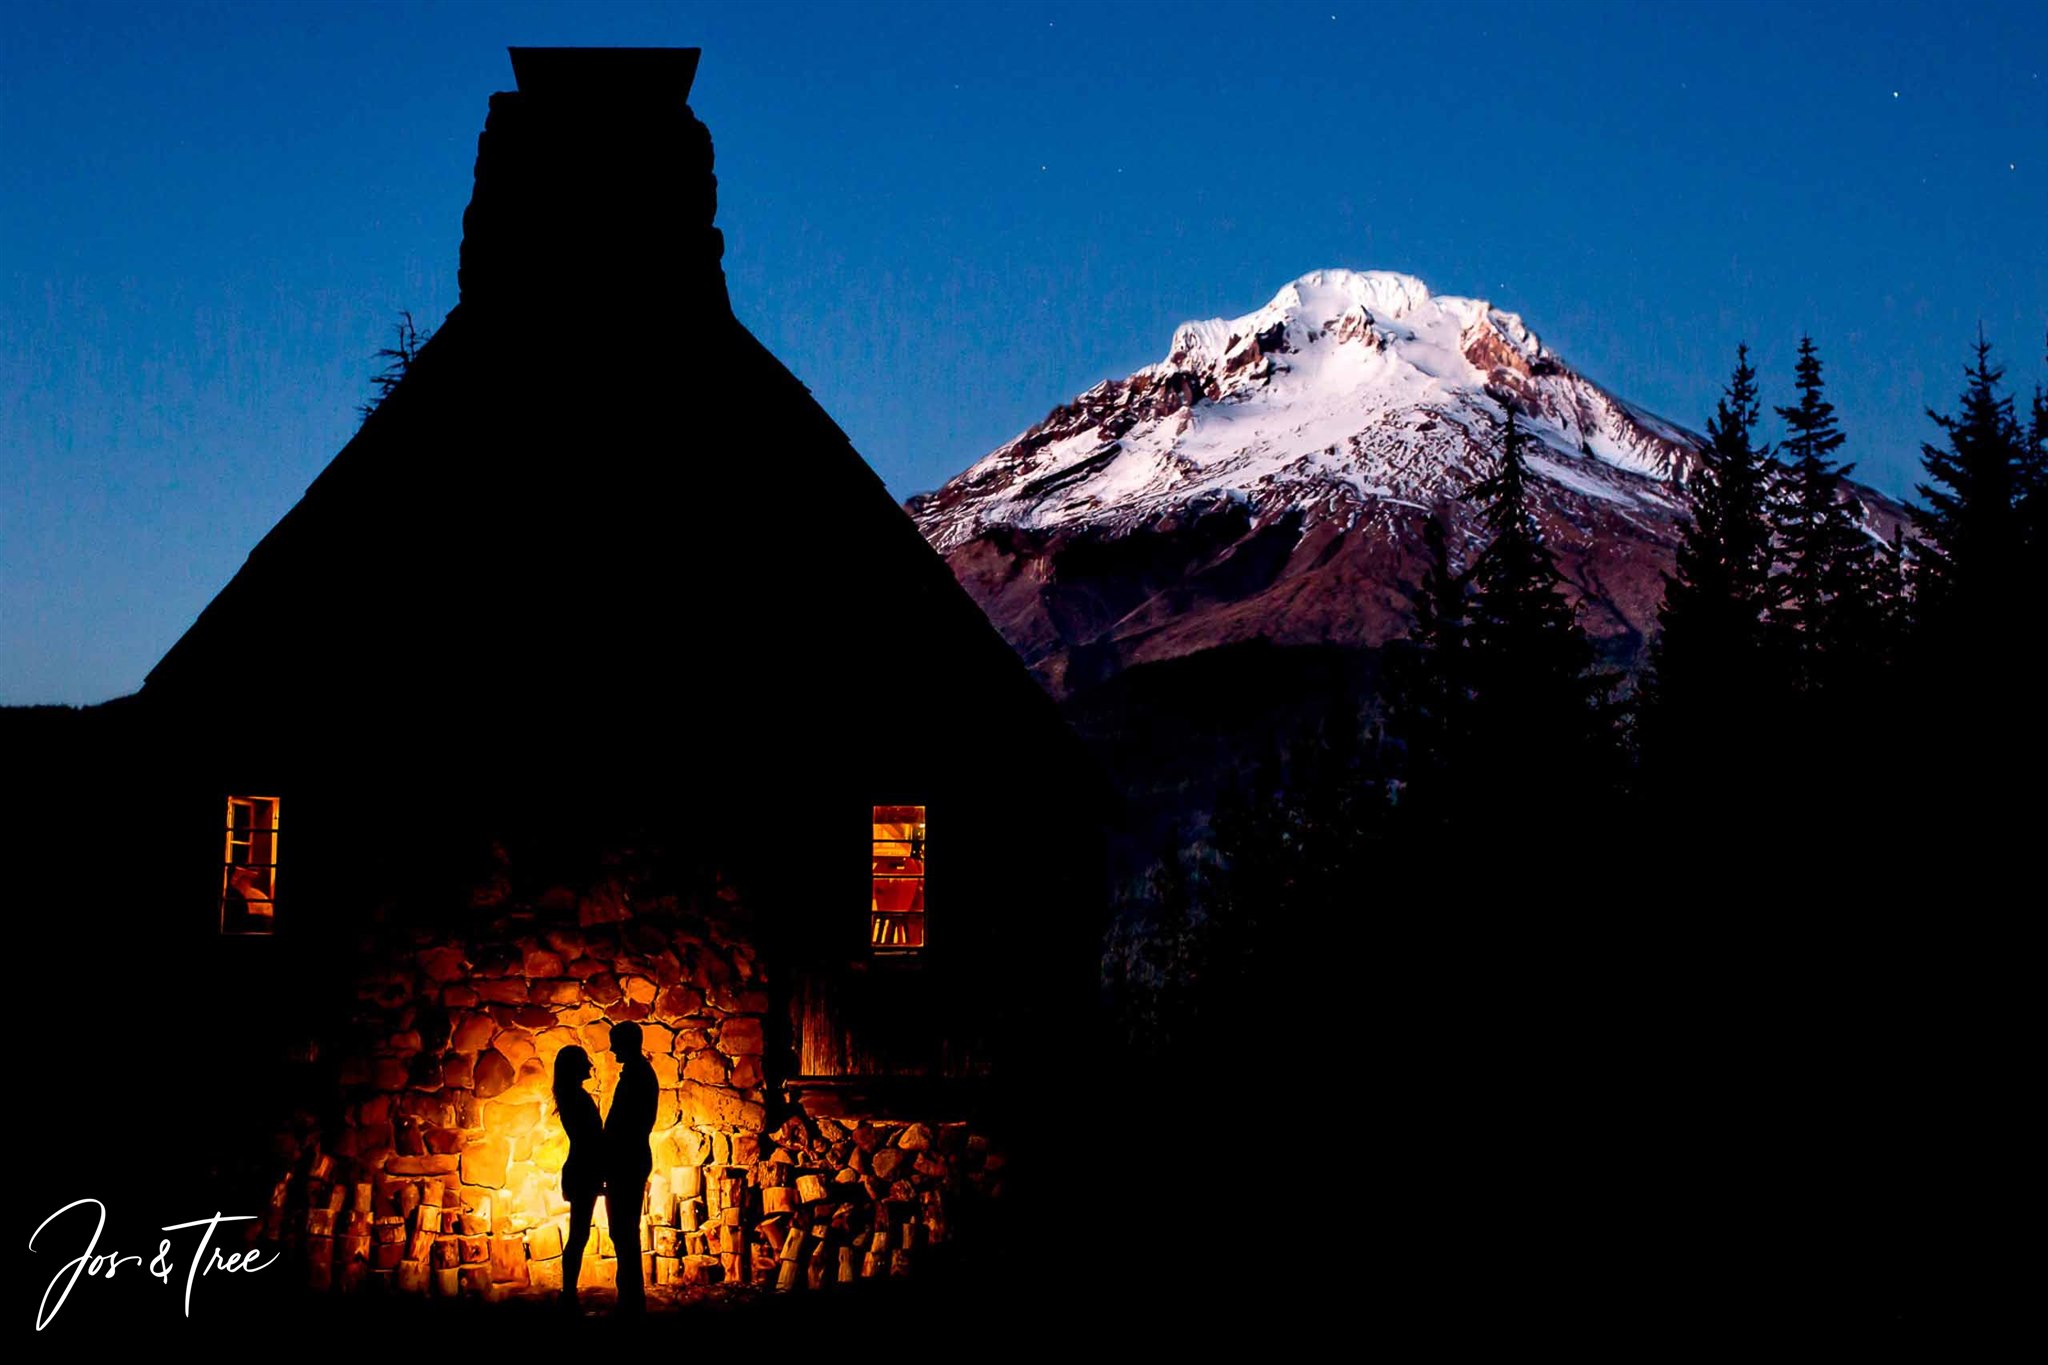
(608, 1156)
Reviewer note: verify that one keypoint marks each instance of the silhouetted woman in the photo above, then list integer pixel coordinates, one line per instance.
(583, 1172)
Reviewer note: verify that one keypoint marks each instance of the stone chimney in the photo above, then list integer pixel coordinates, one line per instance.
(594, 190)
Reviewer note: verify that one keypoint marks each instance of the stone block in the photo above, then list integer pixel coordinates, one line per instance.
(495, 1073)
(562, 992)
(508, 1259)
(718, 1106)
(517, 1044)
(550, 1155)
(413, 1276)
(443, 964)
(472, 1031)
(740, 1036)
(511, 1119)
(438, 1163)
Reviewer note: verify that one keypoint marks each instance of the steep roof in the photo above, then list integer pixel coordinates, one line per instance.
(556, 536)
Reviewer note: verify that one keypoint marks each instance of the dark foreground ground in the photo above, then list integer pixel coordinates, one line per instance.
(1442, 1162)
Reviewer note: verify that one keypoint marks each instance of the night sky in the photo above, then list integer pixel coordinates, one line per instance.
(949, 219)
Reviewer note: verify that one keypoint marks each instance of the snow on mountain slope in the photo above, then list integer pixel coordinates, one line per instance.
(1349, 387)
(1270, 477)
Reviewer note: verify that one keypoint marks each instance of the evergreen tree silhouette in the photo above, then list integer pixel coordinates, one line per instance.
(1827, 603)
(397, 360)
(1541, 723)
(2034, 489)
(1428, 683)
(1709, 681)
(1971, 521)
(1893, 572)
(1978, 588)
(1155, 967)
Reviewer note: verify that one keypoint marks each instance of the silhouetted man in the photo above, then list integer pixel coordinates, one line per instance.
(628, 1159)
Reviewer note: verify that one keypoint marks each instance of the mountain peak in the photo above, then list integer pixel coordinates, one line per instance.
(1349, 391)
(1271, 477)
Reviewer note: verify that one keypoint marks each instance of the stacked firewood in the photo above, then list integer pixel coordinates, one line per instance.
(815, 1203)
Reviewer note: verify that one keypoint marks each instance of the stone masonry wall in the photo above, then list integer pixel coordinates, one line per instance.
(438, 1171)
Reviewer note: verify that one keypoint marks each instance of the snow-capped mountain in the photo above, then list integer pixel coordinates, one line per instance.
(1352, 388)
(1270, 478)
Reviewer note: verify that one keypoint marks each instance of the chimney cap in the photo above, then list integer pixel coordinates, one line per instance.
(606, 73)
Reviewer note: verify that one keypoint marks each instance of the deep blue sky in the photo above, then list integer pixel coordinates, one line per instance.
(948, 219)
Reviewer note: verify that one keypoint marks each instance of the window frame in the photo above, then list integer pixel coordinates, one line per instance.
(229, 861)
(877, 918)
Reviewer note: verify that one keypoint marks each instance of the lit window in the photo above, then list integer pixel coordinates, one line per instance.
(896, 913)
(248, 880)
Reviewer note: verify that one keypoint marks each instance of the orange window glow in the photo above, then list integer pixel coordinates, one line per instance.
(248, 879)
(896, 910)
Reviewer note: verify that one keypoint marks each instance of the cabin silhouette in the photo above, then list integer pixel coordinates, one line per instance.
(599, 678)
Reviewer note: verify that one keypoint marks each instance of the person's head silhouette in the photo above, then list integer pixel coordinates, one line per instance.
(625, 1042)
(572, 1068)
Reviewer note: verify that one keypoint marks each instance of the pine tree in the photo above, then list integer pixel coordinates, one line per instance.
(1540, 718)
(1708, 663)
(2034, 485)
(1978, 598)
(397, 361)
(1971, 524)
(2033, 499)
(1893, 568)
(1826, 602)
(1428, 687)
